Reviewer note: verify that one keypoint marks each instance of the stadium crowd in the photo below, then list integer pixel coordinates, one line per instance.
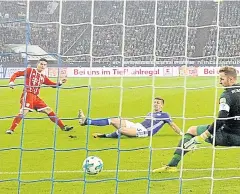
(142, 32)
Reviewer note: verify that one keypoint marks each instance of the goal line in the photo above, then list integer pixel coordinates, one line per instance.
(113, 171)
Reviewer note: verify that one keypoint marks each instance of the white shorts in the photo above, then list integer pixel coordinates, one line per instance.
(141, 131)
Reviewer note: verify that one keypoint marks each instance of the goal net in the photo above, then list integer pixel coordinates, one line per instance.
(117, 56)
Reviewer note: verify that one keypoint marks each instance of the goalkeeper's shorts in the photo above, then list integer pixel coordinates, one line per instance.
(225, 138)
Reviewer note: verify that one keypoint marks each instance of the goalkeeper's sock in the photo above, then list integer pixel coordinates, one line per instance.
(55, 119)
(98, 122)
(112, 135)
(16, 121)
(175, 160)
(205, 135)
(178, 152)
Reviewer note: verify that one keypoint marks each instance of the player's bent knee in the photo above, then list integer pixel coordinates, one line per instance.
(117, 122)
(114, 121)
(192, 130)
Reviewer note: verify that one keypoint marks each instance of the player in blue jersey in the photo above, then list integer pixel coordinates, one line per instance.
(150, 126)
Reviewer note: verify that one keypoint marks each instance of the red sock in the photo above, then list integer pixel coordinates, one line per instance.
(16, 121)
(55, 119)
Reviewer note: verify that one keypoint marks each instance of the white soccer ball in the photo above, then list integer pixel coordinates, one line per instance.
(92, 165)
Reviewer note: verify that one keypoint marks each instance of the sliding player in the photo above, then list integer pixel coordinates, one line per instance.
(30, 99)
(150, 126)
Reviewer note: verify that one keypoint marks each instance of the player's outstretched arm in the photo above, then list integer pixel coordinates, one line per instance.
(176, 128)
(14, 76)
(48, 82)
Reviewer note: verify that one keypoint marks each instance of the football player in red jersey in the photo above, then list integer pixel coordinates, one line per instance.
(30, 99)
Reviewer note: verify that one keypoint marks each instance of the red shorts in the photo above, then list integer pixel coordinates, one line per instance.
(32, 102)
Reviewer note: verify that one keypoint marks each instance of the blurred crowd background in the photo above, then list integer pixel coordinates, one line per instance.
(167, 32)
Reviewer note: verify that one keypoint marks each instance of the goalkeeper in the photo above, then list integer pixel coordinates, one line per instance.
(227, 125)
(150, 126)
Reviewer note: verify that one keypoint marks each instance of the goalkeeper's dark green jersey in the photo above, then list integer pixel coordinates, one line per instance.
(229, 110)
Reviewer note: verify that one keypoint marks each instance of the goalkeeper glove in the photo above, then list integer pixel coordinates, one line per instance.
(199, 140)
(191, 144)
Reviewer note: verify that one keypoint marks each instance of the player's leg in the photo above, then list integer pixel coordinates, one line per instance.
(222, 137)
(26, 105)
(123, 126)
(196, 131)
(87, 121)
(130, 130)
(17, 120)
(116, 122)
(192, 132)
(41, 106)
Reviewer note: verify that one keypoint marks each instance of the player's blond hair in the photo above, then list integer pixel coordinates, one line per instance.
(229, 71)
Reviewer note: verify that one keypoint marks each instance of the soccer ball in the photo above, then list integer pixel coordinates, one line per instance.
(92, 165)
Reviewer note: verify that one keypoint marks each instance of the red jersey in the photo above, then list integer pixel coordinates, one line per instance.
(34, 80)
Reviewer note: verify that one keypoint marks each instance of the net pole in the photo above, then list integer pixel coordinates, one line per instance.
(24, 99)
(153, 95)
(57, 96)
(215, 98)
(90, 89)
(184, 98)
(121, 94)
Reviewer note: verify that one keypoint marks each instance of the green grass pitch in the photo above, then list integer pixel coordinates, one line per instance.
(36, 166)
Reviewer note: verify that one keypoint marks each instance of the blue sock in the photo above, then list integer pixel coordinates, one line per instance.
(112, 135)
(98, 122)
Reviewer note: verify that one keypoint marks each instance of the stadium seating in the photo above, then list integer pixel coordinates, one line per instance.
(139, 37)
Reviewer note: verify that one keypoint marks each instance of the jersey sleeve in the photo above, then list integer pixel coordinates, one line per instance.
(224, 102)
(167, 118)
(224, 108)
(48, 82)
(19, 74)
